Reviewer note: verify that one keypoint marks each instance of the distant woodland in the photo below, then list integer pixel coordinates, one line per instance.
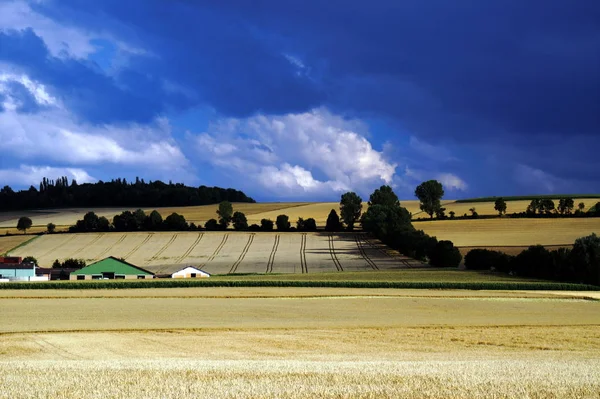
(116, 193)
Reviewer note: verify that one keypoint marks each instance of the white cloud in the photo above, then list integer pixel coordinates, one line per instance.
(54, 134)
(31, 175)
(452, 182)
(37, 90)
(290, 151)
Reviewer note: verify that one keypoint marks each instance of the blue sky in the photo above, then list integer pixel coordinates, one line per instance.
(304, 100)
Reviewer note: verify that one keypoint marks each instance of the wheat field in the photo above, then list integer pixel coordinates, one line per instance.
(296, 343)
(510, 232)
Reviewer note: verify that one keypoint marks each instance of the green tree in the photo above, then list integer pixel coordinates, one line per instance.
(581, 206)
(29, 259)
(310, 225)
(103, 224)
(225, 213)
(546, 205)
(385, 196)
(300, 224)
(90, 221)
(56, 264)
(350, 209)
(565, 206)
(140, 217)
(430, 193)
(333, 222)
(239, 221)
(175, 222)
(586, 259)
(452, 214)
(153, 221)
(211, 225)
(283, 223)
(24, 223)
(51, 227)
(266, 225)
(500, 206)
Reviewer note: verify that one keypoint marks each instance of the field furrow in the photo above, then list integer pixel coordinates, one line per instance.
(221, 253)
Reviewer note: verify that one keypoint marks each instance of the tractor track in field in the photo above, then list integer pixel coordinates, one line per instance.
(68, 240)
(164, 247)
(191, 248)
(387, 254)
(334, 257)
(272, 255)
(130, 253)
(242, 254)
(217, 250)
(303, 264)
(100, 235)
(363, 253)
(107, 250)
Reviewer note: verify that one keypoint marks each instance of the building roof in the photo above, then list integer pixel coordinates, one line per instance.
(190, 267)
(15, 266)
(112, 265)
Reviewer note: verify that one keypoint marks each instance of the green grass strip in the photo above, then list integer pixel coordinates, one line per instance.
(111, 284)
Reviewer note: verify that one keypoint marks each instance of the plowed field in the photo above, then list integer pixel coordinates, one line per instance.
(223, 252)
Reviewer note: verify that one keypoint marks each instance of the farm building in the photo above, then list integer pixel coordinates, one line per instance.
(20, 272)
(111, 268)
(190, 272)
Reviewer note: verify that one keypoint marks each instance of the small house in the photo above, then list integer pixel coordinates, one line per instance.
(111, 268)
(190, 272)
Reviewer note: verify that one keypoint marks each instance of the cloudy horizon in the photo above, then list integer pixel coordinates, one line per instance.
(303, 100)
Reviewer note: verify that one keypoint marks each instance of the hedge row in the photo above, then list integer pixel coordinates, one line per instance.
(527, 197)
(111, 284)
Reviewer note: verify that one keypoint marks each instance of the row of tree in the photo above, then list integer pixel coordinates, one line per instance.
(116, 193)
(581, 264)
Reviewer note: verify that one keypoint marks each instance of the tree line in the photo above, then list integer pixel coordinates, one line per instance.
(61, 193)
(580, 264)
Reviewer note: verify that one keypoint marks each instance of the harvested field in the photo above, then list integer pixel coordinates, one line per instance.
(224, 252)
(510, 232)
(60, 217)
(10, 242)
(292, 343)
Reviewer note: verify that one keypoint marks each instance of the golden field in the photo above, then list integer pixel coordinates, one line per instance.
(223, 252)
(9, 242)
(300, 342)
(504, 232)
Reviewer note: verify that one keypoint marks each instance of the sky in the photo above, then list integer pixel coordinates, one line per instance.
(304, 100)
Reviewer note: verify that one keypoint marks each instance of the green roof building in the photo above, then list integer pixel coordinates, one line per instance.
(111, 268)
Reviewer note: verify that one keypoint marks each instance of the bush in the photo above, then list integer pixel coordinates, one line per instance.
(535, 262)
(283, 223)
(211, 225)
(175, 222)
(585, 258)
(333, 222)
(239, 221)
(266, 225)
(310, 225)
(484, 259)
(29, 259)
(445, 254)
(254, 227)
(51, 227)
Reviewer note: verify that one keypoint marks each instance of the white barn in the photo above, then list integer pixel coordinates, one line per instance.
(190, 272)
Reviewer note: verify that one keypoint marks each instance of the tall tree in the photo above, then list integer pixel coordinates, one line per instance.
(385, 196)
(333, 222)
(500, 206)
(430, 193)
(225, 213)
(350, 209)
(24, 223)
(565, 206)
